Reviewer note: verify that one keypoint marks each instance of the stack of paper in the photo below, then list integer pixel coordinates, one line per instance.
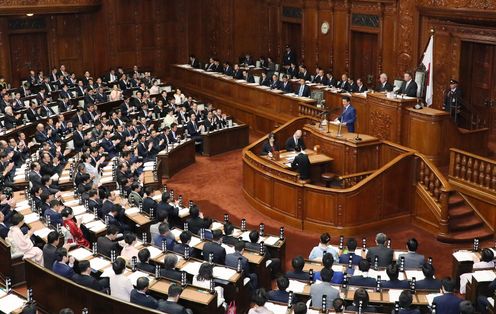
(176, 232)
(96, 226)
(154, 252)
(484, 275)
(71, 203)
(31, 218)
(394, 295)
(78, 210)
(418, 274)
(191, 267)
(194, 241)
(81, 254)
(67, 194)
(270, 240)
(229, 249)
(223, 273)
(86, 217)
(42, 233)
(217, 226)
(296, 286)
(98, 263)
(464, 256)
(10, 303)
(137, 274)
(276, 308)
(132, 211)
(183, 212)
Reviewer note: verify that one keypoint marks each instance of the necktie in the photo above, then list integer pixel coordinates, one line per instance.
(301, 91)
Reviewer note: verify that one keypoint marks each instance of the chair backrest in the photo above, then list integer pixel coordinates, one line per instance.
(257, 78)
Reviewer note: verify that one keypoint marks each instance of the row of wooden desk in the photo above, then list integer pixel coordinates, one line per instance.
(429, 131)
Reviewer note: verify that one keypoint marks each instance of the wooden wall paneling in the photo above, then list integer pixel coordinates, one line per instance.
(310, 30)
(422, 214)
(396, 197)
(27, 50)
(320, 208)
(4, 50)
(325, 43)
(341, 40)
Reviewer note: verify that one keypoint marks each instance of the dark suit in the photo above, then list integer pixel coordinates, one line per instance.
(447, 304)
(78, 141)
(32, 115)
(49, 255)
(344, 85)
(170, 274)
(291, 144)
(279, 296)
(143, 299)
(172, 308)
(428, 284)
(385, 255)
(301, 163)
(348, 116)
(276, 84)
(362, 281)
(320, 80)
(396, 284)
(87, 281)
(197, 223)
(4, 230)
(266, 148)
(410, 90)
(345, 258)
(218, 251)
(305, 75)
(286, 87)
(105, 246)
(232, 261)
(303, 91)
(63, 270)
(148, 203)
(229, 71)
(386, 87)
(299, 275)
(145, 267)
(238, 74)
(265, 82)
(361, 89)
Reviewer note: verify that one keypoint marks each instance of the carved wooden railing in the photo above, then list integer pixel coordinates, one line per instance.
(310, 110)
(474, 170)
(350, 180)
(436, 187)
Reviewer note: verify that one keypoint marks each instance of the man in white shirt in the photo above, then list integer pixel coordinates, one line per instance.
(120, 284)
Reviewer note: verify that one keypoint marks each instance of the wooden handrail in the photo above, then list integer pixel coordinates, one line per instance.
(310, 110)
(472, 169)
(438, 188)
(350, 180)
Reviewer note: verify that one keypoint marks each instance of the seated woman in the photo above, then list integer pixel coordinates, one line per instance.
(22, 243)
(361, 300)
(202, 280)
(269, 146)
(74, 227)
(128, 247)
(486, 262)
(115, 94)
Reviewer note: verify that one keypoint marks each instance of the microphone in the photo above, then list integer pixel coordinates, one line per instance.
(357, 137)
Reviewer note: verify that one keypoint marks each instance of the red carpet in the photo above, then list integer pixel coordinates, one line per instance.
(214, 184)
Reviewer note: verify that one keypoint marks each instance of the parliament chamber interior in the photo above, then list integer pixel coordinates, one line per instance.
(247, 156)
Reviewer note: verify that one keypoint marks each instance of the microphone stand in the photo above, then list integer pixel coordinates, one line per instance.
(357, 138)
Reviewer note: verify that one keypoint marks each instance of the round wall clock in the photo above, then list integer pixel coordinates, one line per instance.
(324, 28)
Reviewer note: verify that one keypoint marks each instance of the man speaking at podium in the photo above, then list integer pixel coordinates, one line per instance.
(348, 116)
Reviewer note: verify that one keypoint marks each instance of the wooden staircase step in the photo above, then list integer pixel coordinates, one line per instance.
(455, 200)
(461, 210)
(464, 223)
(467, 236)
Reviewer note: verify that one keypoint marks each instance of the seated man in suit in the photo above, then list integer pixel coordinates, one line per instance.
(194, 130)
(185, 239)
(351, 246)
(302, 90)
(405, 303)
(297, 263)
(327, 262)
(228, 237)
(197, 221)
(171, 305)
(4, 229)
(214, 248)
(85, 278)
(276, 84)
(348, 116)
(301, 163)
(447, 303)
(164, 235)
(363, 279)
(144, 261)
(169, 269)
(409, 86)
(412, 258)
(393, 272)
(106, 244)
(344, 84)
(248, 77)
(384, 85)
(148, 201)
(285, 85)
(429, 282)
(361, 296)
(295, 140)
(232, 258)
(384, 253)
(281, 295)
(360, 87)
(139, 296)
(318, 289)
(63, 265)
(50, 249)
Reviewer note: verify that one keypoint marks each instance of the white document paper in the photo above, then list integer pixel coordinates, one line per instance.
(42, 233)
(29, 218)
(154, 252)
(484, 275)
(11, 303)
(223, 273)
(132, 210)
(418, 274)
(183, 212)
(394, 295)
(276, 308)
(245, 236)
(229, 249)
(464, 256)
(270, 240)
(216, 226)
(86, 218)
(96, 226)
(194, 241)
(98, 263)
(137, 274)
(72, 203)
(81, 254)
(78, 210)
(176, 232)
(191, 267)
(296, 286)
